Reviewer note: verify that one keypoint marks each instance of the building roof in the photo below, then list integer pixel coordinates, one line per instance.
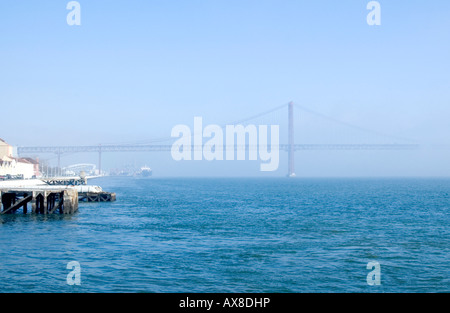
(19, 160)
(27, 160)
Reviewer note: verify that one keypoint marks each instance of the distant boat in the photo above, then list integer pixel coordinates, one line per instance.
(145, 171)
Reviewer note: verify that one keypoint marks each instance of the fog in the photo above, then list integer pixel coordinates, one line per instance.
(132, 71)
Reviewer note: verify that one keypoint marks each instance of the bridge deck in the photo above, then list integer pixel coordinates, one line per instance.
(151, 147)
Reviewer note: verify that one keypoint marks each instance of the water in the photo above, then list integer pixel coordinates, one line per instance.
(238, 235)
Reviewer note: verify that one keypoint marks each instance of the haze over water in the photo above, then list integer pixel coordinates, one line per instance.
(132, 71)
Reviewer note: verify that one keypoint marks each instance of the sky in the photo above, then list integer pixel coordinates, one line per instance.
(134, 69)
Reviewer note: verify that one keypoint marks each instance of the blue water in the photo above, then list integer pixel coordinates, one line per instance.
(238, 235)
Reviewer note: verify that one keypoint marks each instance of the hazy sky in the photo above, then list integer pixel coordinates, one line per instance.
(134, 69)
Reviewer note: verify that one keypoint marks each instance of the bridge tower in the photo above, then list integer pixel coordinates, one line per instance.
(59, 163)
(291, 164)
(100, 159)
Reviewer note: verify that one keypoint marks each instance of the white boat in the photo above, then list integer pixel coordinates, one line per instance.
(145, 171)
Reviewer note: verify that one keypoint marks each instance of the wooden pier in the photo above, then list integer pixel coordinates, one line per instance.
(85, 192)
(44, 200)
(97, 196)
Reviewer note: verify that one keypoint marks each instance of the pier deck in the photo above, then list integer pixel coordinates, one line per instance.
(43, 199)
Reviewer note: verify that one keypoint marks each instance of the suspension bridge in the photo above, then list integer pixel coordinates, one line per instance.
(290, 147)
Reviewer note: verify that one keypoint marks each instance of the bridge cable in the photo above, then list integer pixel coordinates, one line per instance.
(351, 125)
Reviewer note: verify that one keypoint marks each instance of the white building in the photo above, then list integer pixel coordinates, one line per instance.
(11, 166)
(5, 149)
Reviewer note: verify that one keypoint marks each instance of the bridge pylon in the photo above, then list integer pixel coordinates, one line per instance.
(291, 161)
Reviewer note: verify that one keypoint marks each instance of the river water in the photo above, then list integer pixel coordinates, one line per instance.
(237, 235)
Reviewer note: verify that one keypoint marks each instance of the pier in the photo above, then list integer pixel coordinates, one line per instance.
(43, 200)
(97, 196)
(88, 193)
(48, 196)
